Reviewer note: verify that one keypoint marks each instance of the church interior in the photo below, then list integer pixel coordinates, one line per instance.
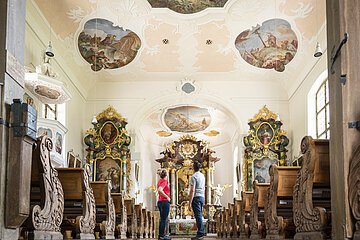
(98, 96)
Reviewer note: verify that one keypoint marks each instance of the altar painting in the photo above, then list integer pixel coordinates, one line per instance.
(187, 6)
(107, 46)
(109, 169)
(271, 45)
(261, 169)
(183, 180)
(187, 119)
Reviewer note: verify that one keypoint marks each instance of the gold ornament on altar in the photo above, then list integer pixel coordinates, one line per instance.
(264, 145)
(110, 113)
(188, 150)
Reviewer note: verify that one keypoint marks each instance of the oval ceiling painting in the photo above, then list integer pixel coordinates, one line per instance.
(187, 119)
(271, 45)
(106, 46)
(187, 6)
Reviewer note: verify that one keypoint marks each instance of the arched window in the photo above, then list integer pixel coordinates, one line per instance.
(322, 111)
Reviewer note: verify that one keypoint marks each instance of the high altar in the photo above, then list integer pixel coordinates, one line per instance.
(178, 159)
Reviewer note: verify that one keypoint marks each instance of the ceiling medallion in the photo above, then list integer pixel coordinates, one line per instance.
(271, 45)
(165, 41)
(107, 46)
(209, 42)
(187, 119)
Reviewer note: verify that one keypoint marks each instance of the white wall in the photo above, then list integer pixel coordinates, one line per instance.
(36, 41)
(298, 105)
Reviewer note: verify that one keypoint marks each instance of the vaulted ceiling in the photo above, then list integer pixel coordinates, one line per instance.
(145, 40)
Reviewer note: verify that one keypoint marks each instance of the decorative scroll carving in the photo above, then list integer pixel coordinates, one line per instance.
(354, 191)
(274, 224)
(146, 230)
(87, 222)
(140, 220)
(242, 217)
(122, 227)
(254, 222)
(108, 226)
(306, 217)
(48, 217)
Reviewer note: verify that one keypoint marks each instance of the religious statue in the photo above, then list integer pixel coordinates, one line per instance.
(218, 191)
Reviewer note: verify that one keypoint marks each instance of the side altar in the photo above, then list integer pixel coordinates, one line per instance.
(178, 159)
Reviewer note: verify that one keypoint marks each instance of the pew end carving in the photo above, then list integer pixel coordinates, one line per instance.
(311, 221)
(257, 227)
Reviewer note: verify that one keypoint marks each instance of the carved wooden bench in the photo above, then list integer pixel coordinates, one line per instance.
(46, 197)
(257, 221)
(312, 203)
(79, 205)
(235, 220)
(230, 222)
(243, 218)
(105, 209)
(278, 213)
(140, 221)
(121, 215)
(131, 218)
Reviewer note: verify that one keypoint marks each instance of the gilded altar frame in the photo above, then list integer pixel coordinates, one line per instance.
(108, 150)
(265, 144)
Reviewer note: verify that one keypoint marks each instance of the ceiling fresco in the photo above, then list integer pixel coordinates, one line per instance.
(271, 45)
(187, 119)
(105, 46)
(187, 6)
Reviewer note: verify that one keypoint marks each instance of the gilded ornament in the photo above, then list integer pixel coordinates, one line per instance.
(110, 113)
(187, 137)
(163, 133)
(212, 133)
(264, 113)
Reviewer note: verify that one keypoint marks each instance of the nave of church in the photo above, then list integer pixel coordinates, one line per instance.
(179, 119)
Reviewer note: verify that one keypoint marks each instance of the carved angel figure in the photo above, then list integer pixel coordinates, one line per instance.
(218, 191)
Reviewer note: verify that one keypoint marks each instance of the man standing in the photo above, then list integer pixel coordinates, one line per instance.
(197, 198)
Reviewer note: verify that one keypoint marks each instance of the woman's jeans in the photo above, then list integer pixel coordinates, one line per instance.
(197, 206)
(164, 208)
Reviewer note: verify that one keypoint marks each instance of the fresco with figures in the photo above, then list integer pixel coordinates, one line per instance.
(187, 119)
(271, 45)
(107, 46)
(187, 6)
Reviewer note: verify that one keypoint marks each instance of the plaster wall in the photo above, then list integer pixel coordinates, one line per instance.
(298, 106)
(35, 44)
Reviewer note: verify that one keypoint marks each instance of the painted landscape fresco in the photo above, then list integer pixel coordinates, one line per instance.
(106, 46)
(271, 45)
(187, 6)
(187, 119)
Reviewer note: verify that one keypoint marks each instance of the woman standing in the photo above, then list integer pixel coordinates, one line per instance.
(163, 203)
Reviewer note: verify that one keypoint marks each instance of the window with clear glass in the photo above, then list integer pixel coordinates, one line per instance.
(323, 111)
(50, 111)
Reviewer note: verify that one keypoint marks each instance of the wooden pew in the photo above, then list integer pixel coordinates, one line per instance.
(354, 191)
(79, 210)
(312, 191)
(46, 197)
(131, 218)
(282, 181)
(257, 223)
(235, 220)
(218, 216)
(105, 209)
(230, 221)
(140, 221)
(121, 215)
(146, 223)
(243, 219)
